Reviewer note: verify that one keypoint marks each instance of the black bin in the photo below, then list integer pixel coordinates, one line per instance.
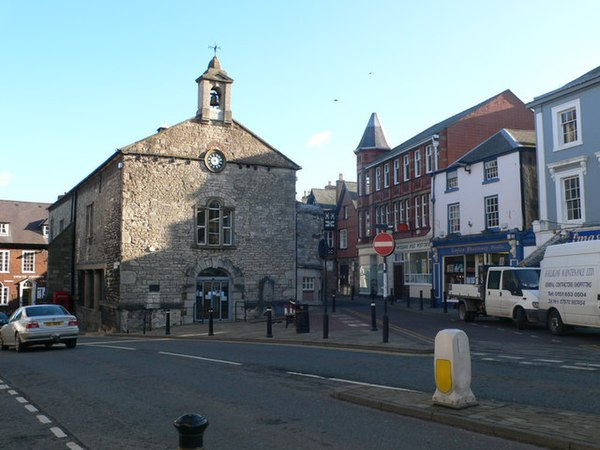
(301, 319)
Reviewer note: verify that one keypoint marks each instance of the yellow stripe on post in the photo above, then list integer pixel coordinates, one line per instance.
(443, 375)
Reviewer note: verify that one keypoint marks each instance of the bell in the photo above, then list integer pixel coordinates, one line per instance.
(214, 99)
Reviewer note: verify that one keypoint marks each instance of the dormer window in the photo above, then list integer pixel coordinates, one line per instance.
(45, 230)
(4, 229)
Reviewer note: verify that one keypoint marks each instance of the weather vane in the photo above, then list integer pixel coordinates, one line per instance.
(214, 48)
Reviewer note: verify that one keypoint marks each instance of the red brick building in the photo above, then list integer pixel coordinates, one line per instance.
(394, 188)
(23, 253)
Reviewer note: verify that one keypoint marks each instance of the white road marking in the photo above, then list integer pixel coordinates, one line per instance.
(4, 386)
(341, 380)
(530, 363)
(489, 359)
(510, 357)
(549, 360)
(12, 392)
(21, 399)
(31, 408)
(118, 347)
(181, 355)
(578, 368)
(43, 419)
(58, 432)
(587, 364)
(74, 446)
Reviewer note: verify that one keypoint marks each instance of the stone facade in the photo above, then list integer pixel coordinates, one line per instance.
(137, 222)
(310, 265)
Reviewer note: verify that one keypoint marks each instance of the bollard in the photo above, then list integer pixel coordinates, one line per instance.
(432, 297)
(325, 326)
(332, 303)
(373, 318)
(386, 329)
(144, 324)
(452, 365)
(445, 302)
(269, 322)
(211, 330)
(421, 300)
(191, 429)
(168, 323)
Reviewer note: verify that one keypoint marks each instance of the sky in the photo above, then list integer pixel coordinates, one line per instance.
(80, 79)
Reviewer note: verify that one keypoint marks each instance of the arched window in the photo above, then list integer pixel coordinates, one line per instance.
(215, 97)
(214, 224)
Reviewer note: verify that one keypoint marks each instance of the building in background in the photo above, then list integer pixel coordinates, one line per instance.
(23, 253)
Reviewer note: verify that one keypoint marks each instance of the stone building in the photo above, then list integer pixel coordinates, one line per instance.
(199, 216)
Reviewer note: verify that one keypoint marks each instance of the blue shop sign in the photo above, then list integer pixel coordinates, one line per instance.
(587, 235)
(478, 248)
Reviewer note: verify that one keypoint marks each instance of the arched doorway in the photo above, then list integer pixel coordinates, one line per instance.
(27, 290)
(212, 292)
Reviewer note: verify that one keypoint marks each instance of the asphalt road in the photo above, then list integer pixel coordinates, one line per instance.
(113, 394)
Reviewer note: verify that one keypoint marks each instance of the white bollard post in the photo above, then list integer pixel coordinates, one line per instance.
(452, 365)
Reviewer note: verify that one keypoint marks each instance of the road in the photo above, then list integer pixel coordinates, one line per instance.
(112, 394)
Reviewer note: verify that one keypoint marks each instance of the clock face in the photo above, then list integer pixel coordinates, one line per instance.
(214, 160)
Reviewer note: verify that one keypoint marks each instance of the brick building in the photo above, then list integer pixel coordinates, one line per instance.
(197, 217)
(23, 253)
(394, 188)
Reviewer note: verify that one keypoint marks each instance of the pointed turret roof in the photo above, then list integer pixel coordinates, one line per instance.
(373, 137)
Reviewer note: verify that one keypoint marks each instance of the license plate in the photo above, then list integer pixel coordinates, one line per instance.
(53, 324)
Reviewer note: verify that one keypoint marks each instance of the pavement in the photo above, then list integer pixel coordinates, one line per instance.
(347, 328)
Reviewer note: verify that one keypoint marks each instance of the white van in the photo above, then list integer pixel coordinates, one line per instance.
(569, 286)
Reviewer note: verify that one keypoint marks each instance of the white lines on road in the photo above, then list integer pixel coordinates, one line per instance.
(31, 408)
(341, 380)
(221, 361)
(43, 419)
(511, 357)
(117, 347)
(578, 367)
(557, 363)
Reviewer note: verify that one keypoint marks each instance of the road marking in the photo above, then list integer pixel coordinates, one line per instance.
(43, 419)
(578, 368)
(530, 363)
(118, 347)
(124, 341)
(342, 380)
(587, 364)
(74, 446)
(21, 399)
(556, 361)
(181, 355)
(489, 359)
(12, 392)
(31, 408)
(510, 357)
(58, 432)
(4, 386)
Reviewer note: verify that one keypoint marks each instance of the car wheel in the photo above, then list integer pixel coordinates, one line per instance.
(555, 323)
(463, 314)
(520, 318)
(19, 346)
(71, 343)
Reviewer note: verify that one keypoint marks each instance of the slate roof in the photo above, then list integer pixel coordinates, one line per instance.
(504, 141)
(434, 129)
(25, 221)
(589, 78)
(325, 198)
(373, 136)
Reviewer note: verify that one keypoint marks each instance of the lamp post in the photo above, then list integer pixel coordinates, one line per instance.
(323, 251)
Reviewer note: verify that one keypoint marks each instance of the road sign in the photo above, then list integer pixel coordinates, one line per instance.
(384, 244)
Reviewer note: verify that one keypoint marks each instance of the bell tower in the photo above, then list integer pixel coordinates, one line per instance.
(214, 94)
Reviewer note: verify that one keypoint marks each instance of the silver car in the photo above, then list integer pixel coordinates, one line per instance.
(39, 324)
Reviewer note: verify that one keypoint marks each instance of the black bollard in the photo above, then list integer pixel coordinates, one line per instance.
(211, 331)
(332, 303)
(432, 297)
(373, 318)
(168, 324)
(421, 300)
(445, 301)
(386, 329)
(269, 322)
(325, 326)
(191, 429)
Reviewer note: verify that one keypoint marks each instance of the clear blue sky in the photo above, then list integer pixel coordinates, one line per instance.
(80, 79)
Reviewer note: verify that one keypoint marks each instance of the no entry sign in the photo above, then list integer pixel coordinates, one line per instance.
(384, 244)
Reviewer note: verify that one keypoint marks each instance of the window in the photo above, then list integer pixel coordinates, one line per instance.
(4, 261)
(387, 214)
(329, 239)
(367, 224)
(343, 239)
(425, 210)
(490, 170)
(89, 221)
(566, 125)
(214, 225)
(451, 180)
(396, 217)
(28, 262)
(406, 167)
(396, 171)
(453, 218)
(417, 163)
(492, 219)
(571, 199)
(360, 181)
(429, 159)
(401, 211)
(417, 212)
(377, 215)
(4, 229)
(45, 230)
(407, 212)
(3, 294)
(386, 175)
(346, 213)
(378, 179)
(367, 183)
(308, 284)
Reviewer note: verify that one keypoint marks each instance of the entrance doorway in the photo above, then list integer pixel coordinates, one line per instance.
(212, 292)
(27, 297)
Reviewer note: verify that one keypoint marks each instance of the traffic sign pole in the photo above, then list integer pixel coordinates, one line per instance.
(384, 245)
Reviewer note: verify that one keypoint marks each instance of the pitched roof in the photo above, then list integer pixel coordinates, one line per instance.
(325, 198)
(504, 141)
(589, 78)
(25, 221)
(373, 136)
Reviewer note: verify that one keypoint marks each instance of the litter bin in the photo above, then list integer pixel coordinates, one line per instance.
(301, 319)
